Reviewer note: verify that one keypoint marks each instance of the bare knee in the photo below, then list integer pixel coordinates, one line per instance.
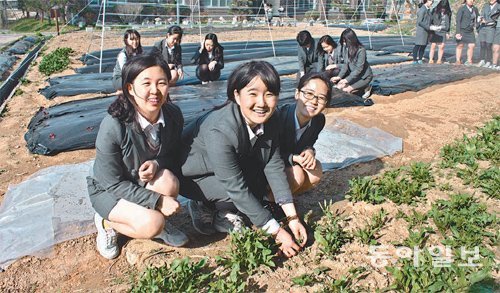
(149, 225)
(296, 177)
(175, 76)
(165, 183)
(316, 174)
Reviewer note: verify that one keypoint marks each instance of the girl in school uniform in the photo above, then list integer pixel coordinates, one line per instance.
(234, 156)
(210, 59)
(134, 183)
(170, 49)
(496, 40)
(307, 54)
(132, 40)
(422, 32)
(329, 56)
(467, 21)
(441, 18)
(487, 32)
(356, 74)
(300, 125)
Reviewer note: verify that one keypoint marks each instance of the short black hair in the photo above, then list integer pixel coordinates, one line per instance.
(245, 73)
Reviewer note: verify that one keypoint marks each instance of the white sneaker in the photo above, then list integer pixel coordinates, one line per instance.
(204, 82)
(481, 63)
(487, 65)
(368, 92)
(106, 239)
(226, 222)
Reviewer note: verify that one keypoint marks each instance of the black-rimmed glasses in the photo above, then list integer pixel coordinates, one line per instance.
(309, 96)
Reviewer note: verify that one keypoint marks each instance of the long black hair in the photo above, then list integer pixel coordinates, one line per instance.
(217, 47)
(316, 75)
(349, 39)
(325, 39)
(175, 30)
(124, 107)
(245, 73)
(129, 51)
(304, 38)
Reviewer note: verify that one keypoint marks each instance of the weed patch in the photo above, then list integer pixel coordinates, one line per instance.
(56, 61)
(329, 234)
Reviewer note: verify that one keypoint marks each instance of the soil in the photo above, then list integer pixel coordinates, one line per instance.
(426, 120)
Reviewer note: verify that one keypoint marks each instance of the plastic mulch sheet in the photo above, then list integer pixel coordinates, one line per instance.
(22, 46)
(6, 62)
(52, 206)
(74, 125)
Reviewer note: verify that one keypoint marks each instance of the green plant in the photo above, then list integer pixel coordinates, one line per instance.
(489, 181)
(414, 219)
(310, 278)
(56, 61)
(180, 276)
(18, 92)
(418, 238)
(364, 189)
(368, 234)
(469, 174)
(345, 284)
(421, 173)
(446, 187)
(329, 234)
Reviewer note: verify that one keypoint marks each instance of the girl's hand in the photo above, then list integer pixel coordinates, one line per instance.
(168, 205)
(309, 161)
(211, 65)
(348, 89)
(330, 67)
(299, 159)
(286, 243)
(181, 73)
(148, 170)
(335, 79)
(299, 231)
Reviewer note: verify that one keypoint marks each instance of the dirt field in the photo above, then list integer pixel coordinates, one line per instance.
(426, 120)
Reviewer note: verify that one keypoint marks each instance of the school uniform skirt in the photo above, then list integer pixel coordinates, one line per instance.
(487, 34)
(468, 37)
(436, 37)
(496, 39)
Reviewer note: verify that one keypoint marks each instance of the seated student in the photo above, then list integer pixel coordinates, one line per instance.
(300, 125)
(134, 184)
(306, 53)
(170, 49)
(356, 74)
(132, 40)
(210, 59)
(234, 155)
(329, 56)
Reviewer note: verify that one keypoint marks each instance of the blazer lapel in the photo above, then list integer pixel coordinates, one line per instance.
(290, 127)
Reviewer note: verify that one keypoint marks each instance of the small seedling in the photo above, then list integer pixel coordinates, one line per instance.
(329, 234)
(368, 235)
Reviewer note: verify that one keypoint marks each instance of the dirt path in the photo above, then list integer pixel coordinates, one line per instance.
(426, 121)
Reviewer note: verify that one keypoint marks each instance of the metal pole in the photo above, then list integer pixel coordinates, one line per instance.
(367, 26)
(102, 34)
(178, 13)
(396, 10)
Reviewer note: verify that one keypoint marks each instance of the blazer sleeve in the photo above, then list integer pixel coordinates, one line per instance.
(224, 160)
(344, 68)
(359, 64)
(446, 27)
(460, 14)
(302, 59)
(219, 57)
(109, 170)
(320, 66)
(196, 57)
(318, 125)
(276, 177)
(171, 158)
(421, 19)
(178, 57)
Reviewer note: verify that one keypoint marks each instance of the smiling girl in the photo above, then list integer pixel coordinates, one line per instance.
(134, 183)
(170, 49)
(132, 40)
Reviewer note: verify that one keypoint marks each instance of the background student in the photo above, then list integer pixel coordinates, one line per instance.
(329, 56)
(487, 33)
(441, 18)
(300, 125)
(307, 54)
(467, 16)
(170, 49)
(234, 156)
(132, 41)
(134, 183)
(496, 39)
(356, 74)
(210, 59)
(422, 31)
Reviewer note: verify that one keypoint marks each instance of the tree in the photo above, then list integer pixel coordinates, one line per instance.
(128, 12)
(241, 8)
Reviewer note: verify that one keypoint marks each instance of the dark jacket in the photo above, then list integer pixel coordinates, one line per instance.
(323, 59)
(219, 143)
(288, 145)
(423, 25)
(121, 148)
(356, 69)
(442, 20)
(202, 58)
(307, 58)
(466, 21)
(174, 58)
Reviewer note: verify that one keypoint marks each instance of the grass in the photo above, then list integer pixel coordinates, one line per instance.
(31, 25)
(329, 233)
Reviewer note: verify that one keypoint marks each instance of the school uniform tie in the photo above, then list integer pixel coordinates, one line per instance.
(153, 136)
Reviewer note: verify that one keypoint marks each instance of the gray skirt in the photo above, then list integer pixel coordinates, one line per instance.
(468, 38)
(487, 34)
(496, 39)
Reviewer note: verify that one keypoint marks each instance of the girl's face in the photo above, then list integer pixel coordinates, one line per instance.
(173, 40)
(428, 3)
(469, 2)
(311, 98)
(209, 45)
(133, 41)
(256, 102)
(149, 90)
(327, 48)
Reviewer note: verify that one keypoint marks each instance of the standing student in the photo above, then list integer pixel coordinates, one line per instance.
(300, 125)
(422, 32)
(467, 16)
(132, 41)
(170, 49)
(307, 54)
(487, 32)
(210, 59)
(441, 18)
(496, 39)
(234, 156)
(134, 183)
(329, 56)
(356, 74)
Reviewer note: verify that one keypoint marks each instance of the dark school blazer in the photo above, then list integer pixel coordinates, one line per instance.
(202, 58)
(323, 59)
(465, 23)
(121, 149)
(423, 25)
(307, 59)
(174, 58)
(219, 142)
(356, 69)
(288, 145)
(443, 20)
